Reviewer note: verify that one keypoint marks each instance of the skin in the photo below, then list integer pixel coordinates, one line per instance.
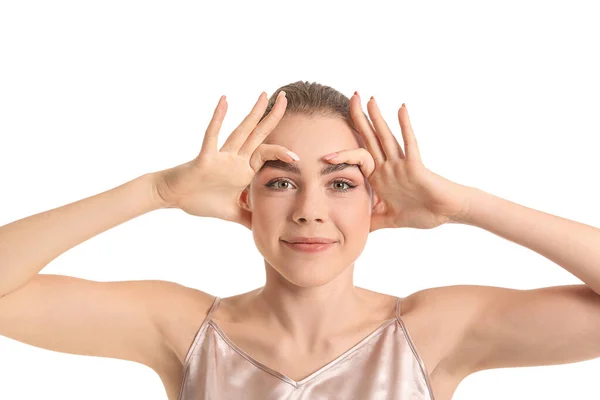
(458, 330)
(309, 297)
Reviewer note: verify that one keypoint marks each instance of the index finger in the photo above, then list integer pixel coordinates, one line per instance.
(263, 129)
(366, 130)
(239, 134)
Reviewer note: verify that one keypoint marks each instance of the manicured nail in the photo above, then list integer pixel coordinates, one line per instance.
(293, 155)
(281, 93)
(330, 156)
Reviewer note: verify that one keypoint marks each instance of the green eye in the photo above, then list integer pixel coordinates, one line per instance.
(273, 183)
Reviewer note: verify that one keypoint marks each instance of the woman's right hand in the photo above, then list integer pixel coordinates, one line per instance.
(210, 185)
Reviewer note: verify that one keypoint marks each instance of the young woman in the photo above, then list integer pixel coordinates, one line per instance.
(308, 333)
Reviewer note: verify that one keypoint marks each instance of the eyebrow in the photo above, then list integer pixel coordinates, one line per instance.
(293, 168)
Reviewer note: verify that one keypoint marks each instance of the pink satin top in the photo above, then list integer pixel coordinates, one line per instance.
(384, 365)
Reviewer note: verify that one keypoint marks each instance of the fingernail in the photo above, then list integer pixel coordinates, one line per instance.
(293, 155)
(330, 156)
(281, 93)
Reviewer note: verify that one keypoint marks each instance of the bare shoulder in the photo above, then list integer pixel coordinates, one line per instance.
(179, 317)
(185, 309)
(439, 318)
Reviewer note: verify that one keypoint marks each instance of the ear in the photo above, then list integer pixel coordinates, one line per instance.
(376, 202)
(375, 199)
(245, 208)
(244, 199)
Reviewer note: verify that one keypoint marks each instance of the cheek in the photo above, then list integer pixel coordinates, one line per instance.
(267, 219)
(352, 218)
(356, 205)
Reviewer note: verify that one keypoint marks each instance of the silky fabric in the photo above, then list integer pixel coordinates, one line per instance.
(382, 366)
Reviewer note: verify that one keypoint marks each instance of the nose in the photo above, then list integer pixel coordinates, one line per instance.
(311, 205)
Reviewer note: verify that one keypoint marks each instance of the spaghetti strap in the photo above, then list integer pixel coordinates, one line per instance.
(212, 309)
(201, 329)
(399, 307)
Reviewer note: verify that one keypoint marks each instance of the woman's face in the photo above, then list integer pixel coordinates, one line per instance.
(285, 204)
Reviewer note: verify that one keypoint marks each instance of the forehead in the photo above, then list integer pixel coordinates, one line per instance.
(313, 136)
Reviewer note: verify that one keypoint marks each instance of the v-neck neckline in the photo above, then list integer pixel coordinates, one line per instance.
(322, 369)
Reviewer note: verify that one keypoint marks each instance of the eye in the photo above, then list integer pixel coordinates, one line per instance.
(273, 183)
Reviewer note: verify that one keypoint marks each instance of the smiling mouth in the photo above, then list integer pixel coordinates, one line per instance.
(309, 247)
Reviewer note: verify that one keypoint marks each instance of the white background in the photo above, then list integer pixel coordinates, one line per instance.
(502, 96)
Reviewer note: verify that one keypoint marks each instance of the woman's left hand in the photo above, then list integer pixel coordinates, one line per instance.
(406, 193)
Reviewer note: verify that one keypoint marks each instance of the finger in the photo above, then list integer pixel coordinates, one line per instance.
(366, 130)
(240, 134)
(410, 141)
(390, 145)
(360, 156)
(212, 132)
(263, 130)
(266, 152)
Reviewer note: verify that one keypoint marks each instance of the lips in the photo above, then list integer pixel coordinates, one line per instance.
(309, 247)
(309, 240)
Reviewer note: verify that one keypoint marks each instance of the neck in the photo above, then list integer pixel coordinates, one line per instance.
(309, 317)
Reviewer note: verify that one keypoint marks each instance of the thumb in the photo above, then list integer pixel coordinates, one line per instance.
(266, 152)
(360, 156)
